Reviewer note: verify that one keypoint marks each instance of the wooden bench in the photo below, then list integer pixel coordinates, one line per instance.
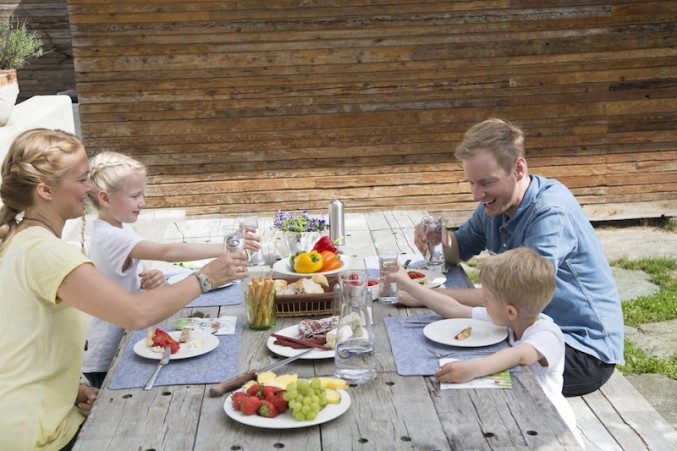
(617, 417)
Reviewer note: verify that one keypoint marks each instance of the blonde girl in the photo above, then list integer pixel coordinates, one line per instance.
(48, 287)
(119, 187)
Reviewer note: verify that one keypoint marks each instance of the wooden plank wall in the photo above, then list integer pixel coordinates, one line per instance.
(53, 72)
(257, 105)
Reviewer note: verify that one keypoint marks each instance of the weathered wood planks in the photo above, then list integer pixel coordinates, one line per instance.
(256, 106)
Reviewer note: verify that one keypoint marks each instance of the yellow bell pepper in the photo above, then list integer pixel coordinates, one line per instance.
(308, 262)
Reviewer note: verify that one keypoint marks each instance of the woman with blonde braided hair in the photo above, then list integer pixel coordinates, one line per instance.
(119, 186)
(47, 287)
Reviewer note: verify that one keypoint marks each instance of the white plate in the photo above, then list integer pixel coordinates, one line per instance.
(283, 267)
(433, 279)
(285, 420)
(179, 277)
(210, 342)
(484, 333)
(286, 351)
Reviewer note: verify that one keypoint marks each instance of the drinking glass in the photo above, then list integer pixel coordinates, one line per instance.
(233, 239)
(248, 223)
(387, 263)
(432, 228)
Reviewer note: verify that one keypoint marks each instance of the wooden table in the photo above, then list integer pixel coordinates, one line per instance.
(391, 412)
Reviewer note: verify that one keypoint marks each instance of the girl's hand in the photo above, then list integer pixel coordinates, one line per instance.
(153, 278)
(401, 276)
(457, 372)
(252, 241)
(85, 399)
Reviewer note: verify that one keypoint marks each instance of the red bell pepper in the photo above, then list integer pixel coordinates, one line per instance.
(162, 339)
(325, 244)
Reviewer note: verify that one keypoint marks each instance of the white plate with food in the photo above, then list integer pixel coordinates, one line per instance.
(285, 420)
(430, 279)
(179, 277)
(199, 343)
(470, 332)
(286, 351)
(283, 267)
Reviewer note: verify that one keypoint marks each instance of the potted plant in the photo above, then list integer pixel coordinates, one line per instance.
(18, 45)
(299, 231)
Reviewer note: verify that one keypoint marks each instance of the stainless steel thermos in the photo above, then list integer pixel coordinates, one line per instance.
(336, 223)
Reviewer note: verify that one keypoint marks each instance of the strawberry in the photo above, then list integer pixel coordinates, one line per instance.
(280, 403)
(268, 409)
(254, 390)
(269, 392)
(250, 404)
(237, 398)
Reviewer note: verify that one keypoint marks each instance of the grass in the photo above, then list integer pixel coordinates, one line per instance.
(661, 306)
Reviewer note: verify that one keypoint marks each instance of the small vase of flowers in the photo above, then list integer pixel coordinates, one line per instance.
(299, 232)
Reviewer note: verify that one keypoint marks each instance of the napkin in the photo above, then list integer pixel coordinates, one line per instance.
(498, 380)
(133, 371)
(412, 350)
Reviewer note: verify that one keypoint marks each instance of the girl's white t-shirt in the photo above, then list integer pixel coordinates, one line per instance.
(109, 248)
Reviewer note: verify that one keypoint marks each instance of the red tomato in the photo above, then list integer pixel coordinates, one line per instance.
(415, 275)
(372, 282)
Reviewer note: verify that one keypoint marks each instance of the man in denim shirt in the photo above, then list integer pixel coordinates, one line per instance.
(517, 209)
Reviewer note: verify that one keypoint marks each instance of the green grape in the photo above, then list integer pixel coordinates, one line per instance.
(298, 415)
(315, 383)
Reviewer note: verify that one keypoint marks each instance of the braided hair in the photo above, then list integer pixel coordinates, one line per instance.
(35, 156)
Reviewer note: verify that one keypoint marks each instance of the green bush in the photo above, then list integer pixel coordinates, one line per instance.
(17, 44)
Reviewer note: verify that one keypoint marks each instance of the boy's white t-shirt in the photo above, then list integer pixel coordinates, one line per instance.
(547, 338)
(109, 248)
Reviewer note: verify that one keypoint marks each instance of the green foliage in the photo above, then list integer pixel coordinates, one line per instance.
(661, 306)
(17, 44)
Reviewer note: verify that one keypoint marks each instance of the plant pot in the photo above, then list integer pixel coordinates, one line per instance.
(297, 241)
(9, 91)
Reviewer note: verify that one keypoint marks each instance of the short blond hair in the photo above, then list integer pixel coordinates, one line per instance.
(521, 277)
(109, 172)
(498, 137)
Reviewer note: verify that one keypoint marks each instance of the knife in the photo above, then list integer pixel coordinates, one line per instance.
(238, 381)
(163, 361)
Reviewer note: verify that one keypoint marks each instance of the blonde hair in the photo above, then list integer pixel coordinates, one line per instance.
(35, 156)
(500, 138)
(520, 277)
(109, 172)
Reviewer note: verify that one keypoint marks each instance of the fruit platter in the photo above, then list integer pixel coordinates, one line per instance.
(287, 401)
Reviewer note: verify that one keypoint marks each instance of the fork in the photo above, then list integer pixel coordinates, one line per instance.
(163, 361)
(441, 355)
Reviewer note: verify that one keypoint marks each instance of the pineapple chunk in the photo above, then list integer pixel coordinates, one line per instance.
(265, 378)
(247, 385)
(283, 380)
(333, 383)
(333, 396)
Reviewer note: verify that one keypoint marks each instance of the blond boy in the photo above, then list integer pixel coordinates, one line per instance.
(516, 285)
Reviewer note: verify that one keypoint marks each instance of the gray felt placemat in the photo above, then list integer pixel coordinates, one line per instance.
(133, 371)
(231, 295)
(410, 347)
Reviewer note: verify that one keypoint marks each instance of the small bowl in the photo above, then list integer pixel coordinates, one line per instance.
(374, 289)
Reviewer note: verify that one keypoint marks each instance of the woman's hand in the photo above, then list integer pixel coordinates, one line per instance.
(85, 399)
(153, 278)
(226, 268)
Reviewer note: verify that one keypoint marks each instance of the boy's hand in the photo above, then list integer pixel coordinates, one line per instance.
(152, 278)
(457, 372)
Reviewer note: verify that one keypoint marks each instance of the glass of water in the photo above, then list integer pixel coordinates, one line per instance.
(432, 228)
(250, 224)
(387, 263)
